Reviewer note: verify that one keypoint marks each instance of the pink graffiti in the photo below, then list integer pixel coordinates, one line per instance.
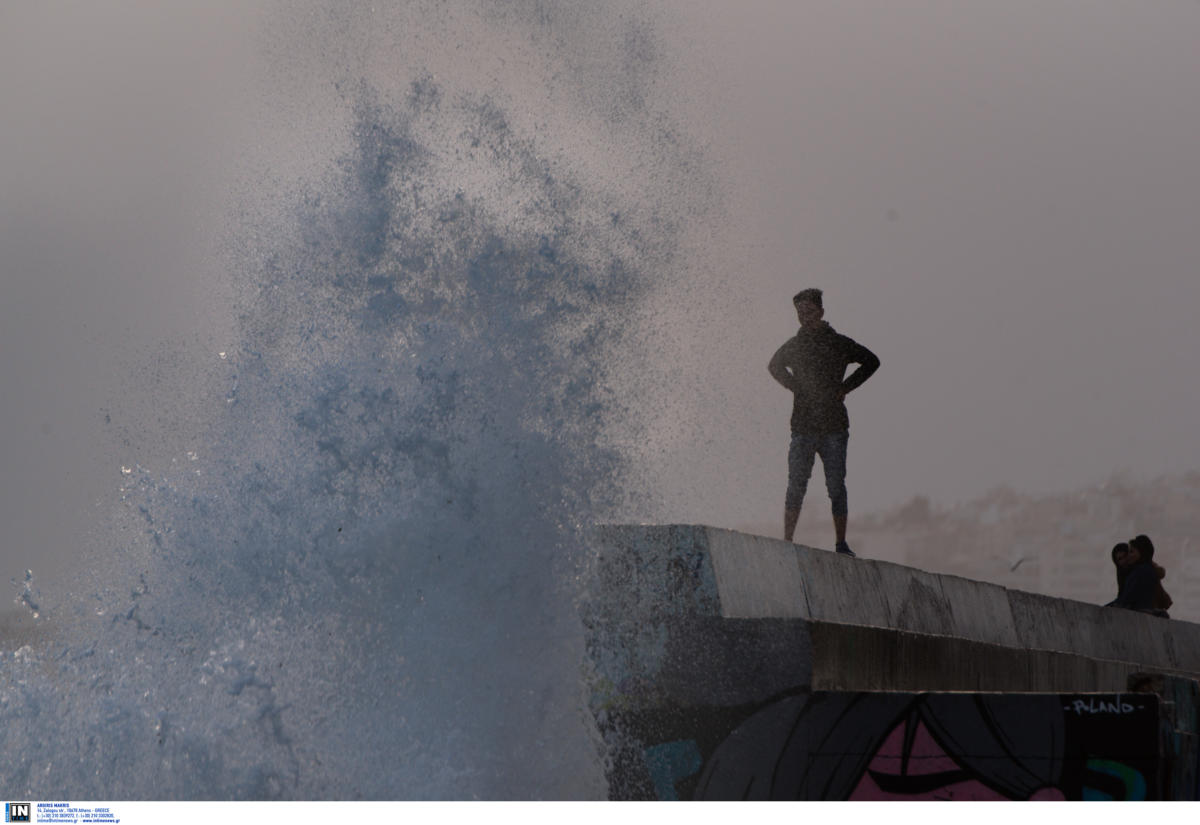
(931, 774)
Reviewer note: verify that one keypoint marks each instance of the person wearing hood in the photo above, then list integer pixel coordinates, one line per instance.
(1139, 578)
(812, 366)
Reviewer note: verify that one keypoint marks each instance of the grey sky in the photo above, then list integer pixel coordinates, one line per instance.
(119, 122)
(1000, 199)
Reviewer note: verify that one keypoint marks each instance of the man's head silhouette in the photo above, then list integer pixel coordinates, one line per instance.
(809, 306)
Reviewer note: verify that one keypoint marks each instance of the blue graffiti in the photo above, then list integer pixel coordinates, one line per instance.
(670, 762)
(1130, 779)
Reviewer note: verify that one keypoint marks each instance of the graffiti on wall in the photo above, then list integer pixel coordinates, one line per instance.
(893, 746)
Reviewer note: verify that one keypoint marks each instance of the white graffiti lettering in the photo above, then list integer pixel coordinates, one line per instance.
(1094, 705)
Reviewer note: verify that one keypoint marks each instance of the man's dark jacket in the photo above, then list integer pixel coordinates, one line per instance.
(1139, 587)
(816, 360)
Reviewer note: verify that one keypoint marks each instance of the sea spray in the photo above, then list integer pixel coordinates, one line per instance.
(360, 584)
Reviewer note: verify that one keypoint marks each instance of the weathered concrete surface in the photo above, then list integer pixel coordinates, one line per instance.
(674, 600)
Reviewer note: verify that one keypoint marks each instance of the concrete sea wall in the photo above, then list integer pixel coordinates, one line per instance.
(700, 637)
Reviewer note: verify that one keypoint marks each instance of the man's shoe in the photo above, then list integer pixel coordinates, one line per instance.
(843, 549)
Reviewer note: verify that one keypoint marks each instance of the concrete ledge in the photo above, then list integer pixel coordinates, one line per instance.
(756, 577)
(903, 661)
(655, 593)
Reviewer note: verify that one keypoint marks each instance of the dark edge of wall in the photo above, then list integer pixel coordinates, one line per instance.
(856, 658)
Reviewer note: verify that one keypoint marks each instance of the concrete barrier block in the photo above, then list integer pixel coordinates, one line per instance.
(1182, 645)
(651, 572)
(757, 577)
(1044, 623)
(980, 611)
(1128, 635)
(842, 590)
(915, 600)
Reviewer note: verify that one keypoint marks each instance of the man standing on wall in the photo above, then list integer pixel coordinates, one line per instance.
(812, 365)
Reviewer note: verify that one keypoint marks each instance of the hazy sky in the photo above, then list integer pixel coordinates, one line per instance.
(1000, 199)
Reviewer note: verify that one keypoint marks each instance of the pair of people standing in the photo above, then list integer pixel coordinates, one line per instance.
(812, 366)
(1139, 579)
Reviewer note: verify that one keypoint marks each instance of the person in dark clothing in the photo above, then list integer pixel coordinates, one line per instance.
(1139, 578)
(1120, 559)
(1125, 558)
(812, 366)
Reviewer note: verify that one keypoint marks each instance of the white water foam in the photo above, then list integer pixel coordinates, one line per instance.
(360, 585)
